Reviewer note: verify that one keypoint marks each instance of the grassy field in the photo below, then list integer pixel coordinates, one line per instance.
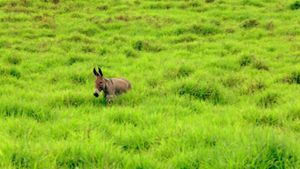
(216, 84)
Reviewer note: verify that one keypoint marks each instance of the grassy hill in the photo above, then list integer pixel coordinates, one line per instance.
(216, 84)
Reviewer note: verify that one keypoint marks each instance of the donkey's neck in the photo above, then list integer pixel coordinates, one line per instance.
(108, 84)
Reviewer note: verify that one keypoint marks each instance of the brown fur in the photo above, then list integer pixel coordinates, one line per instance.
(110, 86)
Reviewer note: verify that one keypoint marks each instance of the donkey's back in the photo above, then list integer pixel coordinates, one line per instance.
(120, 85)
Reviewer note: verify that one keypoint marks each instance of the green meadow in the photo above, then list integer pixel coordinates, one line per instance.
(215, 84)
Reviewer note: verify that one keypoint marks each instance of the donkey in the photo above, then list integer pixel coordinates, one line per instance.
(110, 86)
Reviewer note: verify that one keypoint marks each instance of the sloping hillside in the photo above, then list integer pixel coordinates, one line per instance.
(216, 84)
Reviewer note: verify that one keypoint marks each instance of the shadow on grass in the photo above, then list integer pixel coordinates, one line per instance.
(12, 109)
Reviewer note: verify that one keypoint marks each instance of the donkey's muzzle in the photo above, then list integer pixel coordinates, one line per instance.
(96, 94)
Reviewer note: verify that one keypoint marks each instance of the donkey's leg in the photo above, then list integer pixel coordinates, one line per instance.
(109, 99)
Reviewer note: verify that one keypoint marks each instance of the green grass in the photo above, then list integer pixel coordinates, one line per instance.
(215, 84)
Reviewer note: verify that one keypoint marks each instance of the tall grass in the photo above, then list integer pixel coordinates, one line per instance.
(215, 84)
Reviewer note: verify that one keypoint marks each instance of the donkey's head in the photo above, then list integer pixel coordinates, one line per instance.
(99, 83)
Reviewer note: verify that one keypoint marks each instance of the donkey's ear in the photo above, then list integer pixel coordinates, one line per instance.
(100, 71)
(95, 72)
